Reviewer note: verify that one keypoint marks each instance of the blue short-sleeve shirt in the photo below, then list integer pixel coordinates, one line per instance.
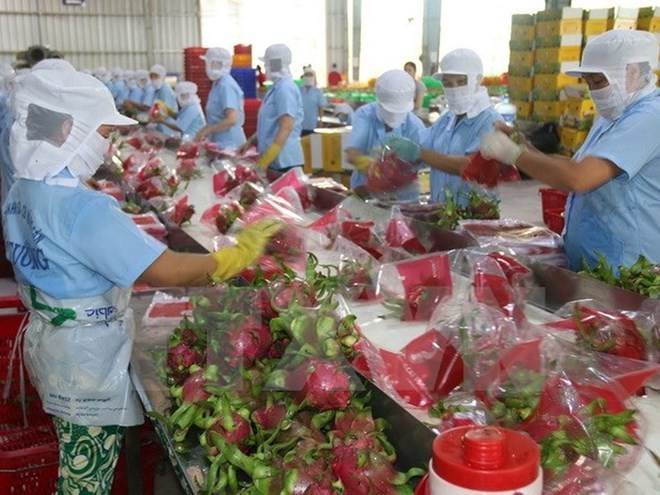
(451, 137)
(283, 98)
(368, 135)
(226, 94)
(621, 218)
(73, 242)
(190, 119)
(313, 99)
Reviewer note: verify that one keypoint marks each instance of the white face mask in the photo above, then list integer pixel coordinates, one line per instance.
(308, 81)
(183, 100)
(460, 99)
(157, 83)
(609, 101)
(143, 83)
(391, 120)
(131, 83)
(89, 157)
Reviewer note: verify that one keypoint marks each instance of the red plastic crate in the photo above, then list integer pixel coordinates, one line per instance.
(29, 455)
(555, 220)
(551, 199)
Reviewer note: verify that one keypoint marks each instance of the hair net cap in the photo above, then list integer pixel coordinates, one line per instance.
(117, 72)
(217, 53)
(461, 62)
(343, 108)
(57, 64)
(99, 71)
(158, 69)
(278, 51)
(395, 90)
(186, 87)
(614, 50)
(142, 74)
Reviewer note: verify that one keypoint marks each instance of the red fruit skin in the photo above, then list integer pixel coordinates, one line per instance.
(193, 388)
(249, 341)
(240, 433)
(180, 358)
(389, 174)
(363, 470)
(287, 244)
(327, 386)
(296, 290)
(267, 418)
(614, 334)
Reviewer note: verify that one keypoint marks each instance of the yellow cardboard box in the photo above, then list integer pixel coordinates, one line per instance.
(522, 59)
(571, 138)
(592, 27)
(519, 95)
(306, 144)
(599, 14)
(651, 24)
(579, 108)
(562, 54)
(624, 24)
(557, 14)
(554, 67)
(550, 110)
(523, 109)
(521, 70)
(525, 19)
(558, 28)
(520, 84)
(553, 81)
(523, 31)
(332, 152)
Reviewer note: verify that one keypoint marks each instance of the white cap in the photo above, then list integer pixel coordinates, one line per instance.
(614, 50)
(185, 87)
(395, 90)
(462, 62)
(343, 108)
(129, 74)
(44, 99)
(99, 72)
(142, 74)
(54, 64)
(117, 72)
(158, 69)
(278, 51)
(217, 53)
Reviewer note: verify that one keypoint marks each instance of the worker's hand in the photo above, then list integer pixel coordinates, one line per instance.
(250, 245)
(270, 155)
(404, 148)
(201, 134)
(499, 146)
(362, 162)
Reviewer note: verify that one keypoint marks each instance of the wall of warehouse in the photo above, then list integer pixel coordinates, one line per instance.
(127, 33)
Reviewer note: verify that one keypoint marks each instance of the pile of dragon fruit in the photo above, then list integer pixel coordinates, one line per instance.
(261, 377)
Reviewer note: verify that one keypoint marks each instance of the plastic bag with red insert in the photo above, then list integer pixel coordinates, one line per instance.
(488, 172)
(270, 206)
(153, 167)
(413, 288)
(574, 406)
(603, 330)
(230, 175)
(299, 182)
(330, 223)
(179, 212)
(188, 169)
(588, 477)
(355, 271)
(390, 173)
(493, 287)
(399, 234)
(221, 217)
(188, 150)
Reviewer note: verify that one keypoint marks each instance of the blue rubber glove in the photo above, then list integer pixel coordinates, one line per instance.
(404, 148)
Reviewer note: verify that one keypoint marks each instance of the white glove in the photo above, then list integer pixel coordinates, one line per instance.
(499, 146)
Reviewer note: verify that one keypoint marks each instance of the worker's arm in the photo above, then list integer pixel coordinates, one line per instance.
(283, 131)
(131, 104)
(568, 175)
(173, 269)
(231, 118)
(451, 164)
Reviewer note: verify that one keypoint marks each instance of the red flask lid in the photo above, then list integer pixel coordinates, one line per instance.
(486, 458)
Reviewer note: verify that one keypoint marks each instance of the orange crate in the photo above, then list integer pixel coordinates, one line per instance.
(551, 199)
(555, 220)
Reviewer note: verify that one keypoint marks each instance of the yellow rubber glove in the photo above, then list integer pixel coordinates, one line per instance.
(251, 242)
(362, 162)
(270, 155)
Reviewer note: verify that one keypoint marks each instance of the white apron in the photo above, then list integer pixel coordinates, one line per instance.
(77, 352)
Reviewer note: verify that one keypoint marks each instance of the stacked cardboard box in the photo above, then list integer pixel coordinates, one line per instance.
(521, 63)
(576, 119)
(558, 46)
(597, 21)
